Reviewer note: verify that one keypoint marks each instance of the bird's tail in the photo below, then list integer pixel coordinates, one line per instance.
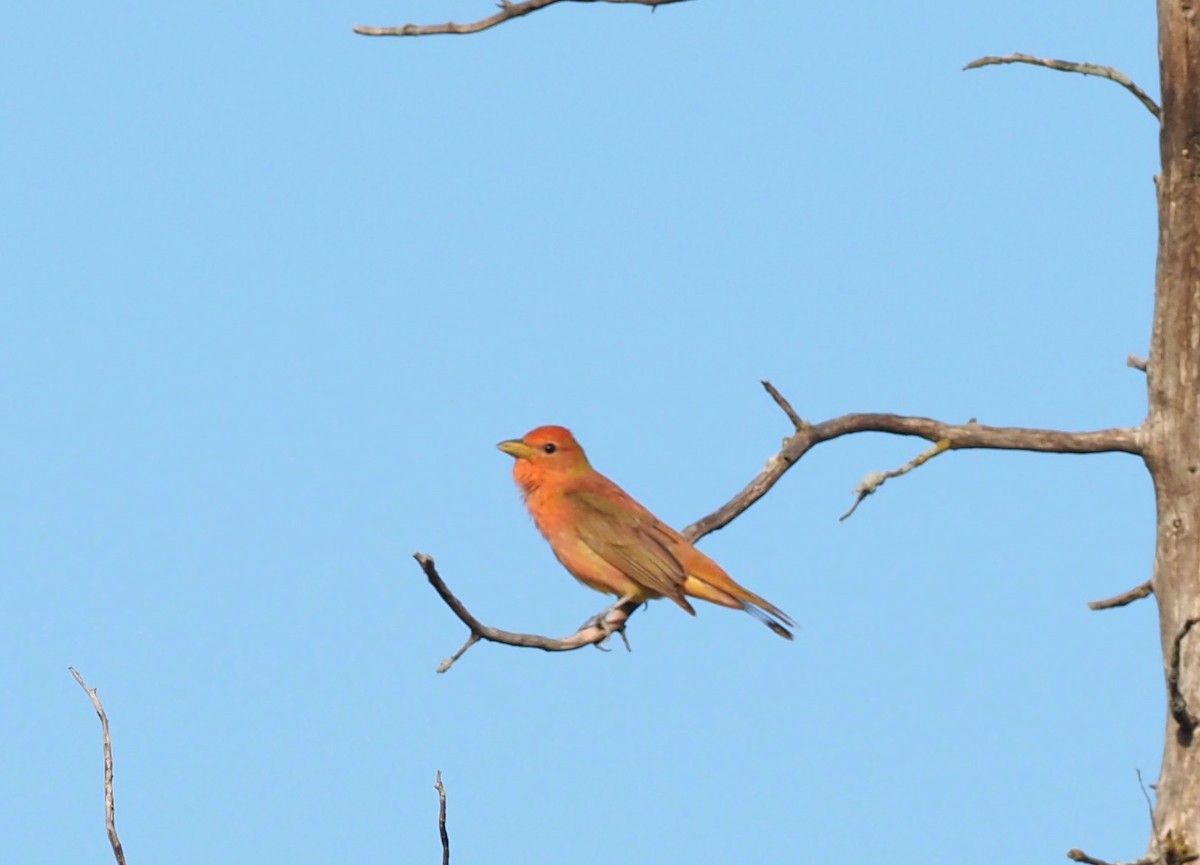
(774, 620)
(728, 593)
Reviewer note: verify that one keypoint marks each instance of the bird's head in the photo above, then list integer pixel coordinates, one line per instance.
(546, 452)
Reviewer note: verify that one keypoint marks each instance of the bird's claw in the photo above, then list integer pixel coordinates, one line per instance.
(625, 639)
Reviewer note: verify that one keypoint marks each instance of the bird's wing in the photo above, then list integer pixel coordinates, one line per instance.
(630, 539)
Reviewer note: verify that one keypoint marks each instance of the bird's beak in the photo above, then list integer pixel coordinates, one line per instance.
(516, 448)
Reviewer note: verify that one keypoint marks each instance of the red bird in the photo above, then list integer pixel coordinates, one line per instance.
(611, 543)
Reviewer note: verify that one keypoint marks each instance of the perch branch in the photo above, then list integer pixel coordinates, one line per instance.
(589, 635)
(508, 11)
(943, 436)
(875, 480)
(1071, 66)
(110, 813)
(1135, 594)
(1135, 362)
(1177, 703)
(441, 791)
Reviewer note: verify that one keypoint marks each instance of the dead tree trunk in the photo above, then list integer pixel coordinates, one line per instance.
(1172, 444)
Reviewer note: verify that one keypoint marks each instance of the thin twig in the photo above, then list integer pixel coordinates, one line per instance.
(1071, 66)
(1149, 804)
(1178, 705)
(1135, 594)
(110, 813)
(471, 640)
(1135, 362)
(798, 422)
(591, 634)
(441, 791)
(508, 11)
(875, 480)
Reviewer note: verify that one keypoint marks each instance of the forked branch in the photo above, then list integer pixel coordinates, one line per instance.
(943, 436)
(508, 11)
(1080, 68)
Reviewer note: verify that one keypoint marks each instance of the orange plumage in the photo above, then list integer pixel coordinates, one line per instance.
(611, 543)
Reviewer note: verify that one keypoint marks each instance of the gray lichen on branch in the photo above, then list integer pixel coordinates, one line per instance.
(872, 482)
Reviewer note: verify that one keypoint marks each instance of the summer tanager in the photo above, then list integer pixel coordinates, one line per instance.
(611, 543)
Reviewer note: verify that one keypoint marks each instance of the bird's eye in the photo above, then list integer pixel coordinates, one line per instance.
(550, 447)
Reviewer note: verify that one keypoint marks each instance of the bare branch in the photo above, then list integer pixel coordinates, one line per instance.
(1178, 705)
(1135, 594)
(875, 480)
(1135, 362)
(110, 814)
(591, 634)
(441, 791)
(508, 11)
(969, 436)
(1080, 856)
(1071, 66)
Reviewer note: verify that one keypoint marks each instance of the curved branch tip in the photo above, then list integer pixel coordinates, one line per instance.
(1107, 72)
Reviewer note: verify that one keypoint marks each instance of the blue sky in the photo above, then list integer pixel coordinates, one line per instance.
(273, 292)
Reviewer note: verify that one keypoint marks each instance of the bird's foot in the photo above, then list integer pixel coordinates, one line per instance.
(611, 621)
